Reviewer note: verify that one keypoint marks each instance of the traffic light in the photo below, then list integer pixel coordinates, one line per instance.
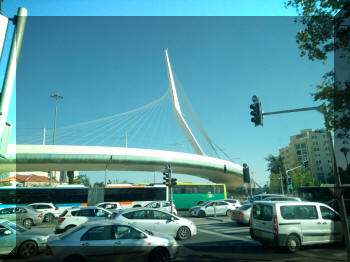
(289, 180)
(246, 176)
(306, 164)
(257, 116)
(166, 175)
(173, 182)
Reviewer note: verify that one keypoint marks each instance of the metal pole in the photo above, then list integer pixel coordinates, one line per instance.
(282, 183)
(44, 135)
(56, 96)
(171, 192)
(337, 182)
(10, 74)
(126, 139)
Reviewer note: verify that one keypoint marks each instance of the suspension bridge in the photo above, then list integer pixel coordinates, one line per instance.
(87, 146)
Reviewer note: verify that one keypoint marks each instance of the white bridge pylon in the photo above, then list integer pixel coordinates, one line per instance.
(90, 158)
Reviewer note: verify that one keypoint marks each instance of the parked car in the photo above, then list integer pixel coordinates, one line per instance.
(25, 216)
(242, 214)
(158, 221)
(113, 241)
(207, 208)
(76, 216)
(49, 210)
(294, 224)
(282, 199)
(162, 205)
(15, 239)
(110, 206)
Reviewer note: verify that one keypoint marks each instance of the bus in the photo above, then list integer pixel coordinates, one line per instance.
(64, 197)
(188, 194)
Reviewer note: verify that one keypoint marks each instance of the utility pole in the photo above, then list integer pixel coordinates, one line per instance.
(56, 96)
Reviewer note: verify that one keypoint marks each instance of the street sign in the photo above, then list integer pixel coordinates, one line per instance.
(337, 191)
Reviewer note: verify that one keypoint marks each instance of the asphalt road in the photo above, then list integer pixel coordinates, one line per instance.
(221, 240)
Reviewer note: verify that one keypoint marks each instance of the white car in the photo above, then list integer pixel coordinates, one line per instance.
(158, 221)
(49, 210)
(79, 215)
(162, 205)
(211, 208)
(110, 206)
(110, 240)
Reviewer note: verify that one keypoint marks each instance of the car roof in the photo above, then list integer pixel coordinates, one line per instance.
(300, 203)
(127, 210)
(106, 222)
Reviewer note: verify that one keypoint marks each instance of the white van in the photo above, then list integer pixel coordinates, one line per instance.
(294, 224)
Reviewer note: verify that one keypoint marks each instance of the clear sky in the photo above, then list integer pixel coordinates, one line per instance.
(223, 52)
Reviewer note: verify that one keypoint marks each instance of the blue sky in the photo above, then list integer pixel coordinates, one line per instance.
(223, 52)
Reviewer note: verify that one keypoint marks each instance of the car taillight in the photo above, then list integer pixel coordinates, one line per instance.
(56, 208)
(40, 215)
(240, 213)
(275, 224)
(49, 251)
(61, 220)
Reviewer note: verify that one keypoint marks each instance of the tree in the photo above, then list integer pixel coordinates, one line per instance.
(99, 184)
(276, 168)
(301, 177)
(82, 180)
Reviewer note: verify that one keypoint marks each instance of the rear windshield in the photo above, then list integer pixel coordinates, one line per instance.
(299, 212)
(64, 213)
(262, 212)
(245, 207)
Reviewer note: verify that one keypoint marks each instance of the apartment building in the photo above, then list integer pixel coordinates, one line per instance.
(313, 147)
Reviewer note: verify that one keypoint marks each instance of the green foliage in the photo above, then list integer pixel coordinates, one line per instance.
(82, 180)
(99, 184)
(301, 177)
(275, 184)
(7, 183)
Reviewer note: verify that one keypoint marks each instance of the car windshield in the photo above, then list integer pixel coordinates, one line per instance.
(204, 203)
(245, 207)
(14, 226)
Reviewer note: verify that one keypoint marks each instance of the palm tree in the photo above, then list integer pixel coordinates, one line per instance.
(345, 151)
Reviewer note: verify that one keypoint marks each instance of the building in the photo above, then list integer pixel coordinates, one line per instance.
(313, 147)
(17, 178)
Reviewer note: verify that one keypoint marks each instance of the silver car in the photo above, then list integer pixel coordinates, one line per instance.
(17, 240)
(110, 240)
(25, 216)
(163, 206)
(158, 221)
(242, 214)
(211, 208)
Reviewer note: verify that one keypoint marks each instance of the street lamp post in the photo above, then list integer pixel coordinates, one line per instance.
(56, 96)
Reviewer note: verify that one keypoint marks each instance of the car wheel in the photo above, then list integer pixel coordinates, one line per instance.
(27, 223)
(74, 258)
(28, 249)
(68, 227)
(228, 213)
(159, 255)
(293, 243)
(48, 218)
(201, 213)
(183, 233)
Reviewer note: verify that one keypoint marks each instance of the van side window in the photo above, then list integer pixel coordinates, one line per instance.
(326, 213)
(299, 212)
(262, 212)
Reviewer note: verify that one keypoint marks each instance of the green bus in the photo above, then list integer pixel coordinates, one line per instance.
(188, 194)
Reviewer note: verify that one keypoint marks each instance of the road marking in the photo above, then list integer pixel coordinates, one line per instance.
(225, 236)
